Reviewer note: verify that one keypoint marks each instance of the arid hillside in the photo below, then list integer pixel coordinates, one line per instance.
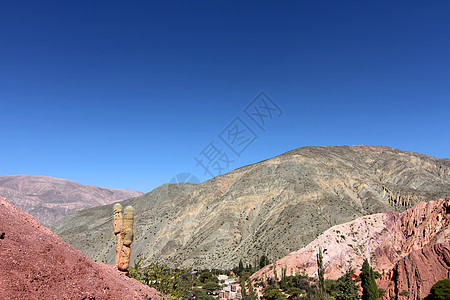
(49, 199)
(273, 207)
(37, 264)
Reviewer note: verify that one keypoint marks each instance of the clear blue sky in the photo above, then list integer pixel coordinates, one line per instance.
(125, 94)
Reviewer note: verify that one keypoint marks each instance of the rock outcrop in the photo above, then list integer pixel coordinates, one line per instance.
(417, 273)
(273, 207)
(49, 199)
(37, 264)
(383, 238)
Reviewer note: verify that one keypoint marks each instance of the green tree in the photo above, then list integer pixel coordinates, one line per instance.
(440, 290)
(263, 261)
(241, 266)
(346, 288)
(320, 273)
(158, 276)
(370, 289)
(211, 286)
(200, 294)
(251, 292)
(273, 294)
(275, 275)
(294, 292)
(207, 276)
(248, 267)
(284, 279)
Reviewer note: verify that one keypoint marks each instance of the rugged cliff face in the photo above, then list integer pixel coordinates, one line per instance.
(37, 264)
(417, 272)
(384, 239)
(49, 199)
(273, 207)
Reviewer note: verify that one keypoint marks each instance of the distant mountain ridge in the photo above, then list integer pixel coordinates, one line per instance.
(49, 199)
(272, 207)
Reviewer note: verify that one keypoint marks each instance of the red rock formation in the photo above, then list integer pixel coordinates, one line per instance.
(38, 264)
(417, 272)
(415, 228)
(383, 238)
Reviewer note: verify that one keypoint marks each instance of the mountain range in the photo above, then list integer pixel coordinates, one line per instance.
(273, 207)
(49, 199)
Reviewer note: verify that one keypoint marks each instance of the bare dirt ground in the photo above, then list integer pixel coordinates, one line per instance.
(38, 264)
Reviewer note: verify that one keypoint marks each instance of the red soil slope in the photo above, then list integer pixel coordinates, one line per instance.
(38, 264)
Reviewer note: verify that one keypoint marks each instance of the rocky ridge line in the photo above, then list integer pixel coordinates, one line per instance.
(49, 199)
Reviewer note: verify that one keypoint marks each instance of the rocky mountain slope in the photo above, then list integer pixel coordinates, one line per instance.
(384, 239)
(49, 199)
(274, 207)
(417, 272)
(37, 264)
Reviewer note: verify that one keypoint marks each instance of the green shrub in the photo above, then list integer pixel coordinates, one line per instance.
(440, 290)
(273, 294)
(346, 288)
(211, 286)
(377, 274)
(404, 293)
(295, 291)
